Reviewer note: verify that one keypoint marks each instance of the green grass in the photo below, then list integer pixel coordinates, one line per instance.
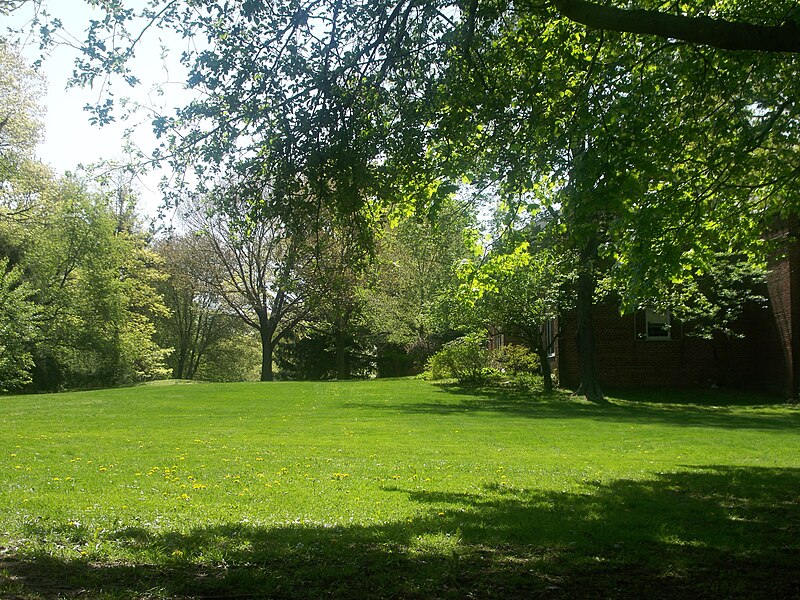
(395, 488)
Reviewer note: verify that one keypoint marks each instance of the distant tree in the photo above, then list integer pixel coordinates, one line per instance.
(198, 320)
(254, 265)
(21, 89)
(18, 315)
(96, 287)
(236, 357)
(413, 279)
(520, 290)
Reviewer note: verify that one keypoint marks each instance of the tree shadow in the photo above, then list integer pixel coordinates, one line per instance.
(711, 409)
(703, 532)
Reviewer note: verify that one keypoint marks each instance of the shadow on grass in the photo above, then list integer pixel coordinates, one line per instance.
(709, 532)
(707, 408)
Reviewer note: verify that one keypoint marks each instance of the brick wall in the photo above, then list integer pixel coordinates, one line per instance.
(623, 360)
(778, 329)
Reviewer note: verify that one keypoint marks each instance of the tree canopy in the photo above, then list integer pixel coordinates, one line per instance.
(663, 136)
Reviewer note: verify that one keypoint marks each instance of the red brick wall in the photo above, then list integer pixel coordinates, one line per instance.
(778, 331)
(623, 360)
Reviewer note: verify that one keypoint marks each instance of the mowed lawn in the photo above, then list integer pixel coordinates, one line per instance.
(396, 488)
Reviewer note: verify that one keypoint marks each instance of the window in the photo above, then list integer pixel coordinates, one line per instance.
(549, 338)
(498, 341)
(657, 325)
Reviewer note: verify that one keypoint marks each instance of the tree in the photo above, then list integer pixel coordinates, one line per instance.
(414, 277)
(520, 290)
(95, 285)
(17, 328)
(20, 110)
(197, 319)
(254, 264)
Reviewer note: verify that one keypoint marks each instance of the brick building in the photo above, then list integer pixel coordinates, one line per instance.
(648, 348)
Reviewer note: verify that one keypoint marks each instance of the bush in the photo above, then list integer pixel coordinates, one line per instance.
(514, 360)
(529, 382)
(464, 359)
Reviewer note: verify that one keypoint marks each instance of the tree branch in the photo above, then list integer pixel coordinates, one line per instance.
(718, 33)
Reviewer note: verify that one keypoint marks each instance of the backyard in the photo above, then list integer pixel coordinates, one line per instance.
(396, 488)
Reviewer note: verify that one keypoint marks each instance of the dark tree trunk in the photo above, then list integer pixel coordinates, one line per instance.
(267, 346)
(547, 375)
(342, 372)
(180, 366)
(587, 364)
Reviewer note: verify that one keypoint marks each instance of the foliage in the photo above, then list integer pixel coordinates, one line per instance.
(17, 327)
(333, 327)
(714, 301)
(97, 286)
(92, 284)
(20, 111)
(414, 279)
(198, 324)
(465, 359)
(234, 357)
(515, 360)
(319, 351)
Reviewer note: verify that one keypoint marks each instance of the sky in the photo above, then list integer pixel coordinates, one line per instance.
(69, 139)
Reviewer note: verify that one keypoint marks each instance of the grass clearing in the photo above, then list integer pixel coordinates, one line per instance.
(395, 488)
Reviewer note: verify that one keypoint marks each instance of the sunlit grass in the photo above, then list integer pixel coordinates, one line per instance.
(389, 488)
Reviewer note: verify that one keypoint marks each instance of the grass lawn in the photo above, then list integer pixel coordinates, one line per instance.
(396, 488)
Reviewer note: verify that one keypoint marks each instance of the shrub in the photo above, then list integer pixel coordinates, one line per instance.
(465, 359)
(529, 382)
(515, 360)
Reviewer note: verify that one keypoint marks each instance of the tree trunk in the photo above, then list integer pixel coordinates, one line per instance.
(547, 375)
(342, 372)
(267, 346)
(587, 364)
(177, 373)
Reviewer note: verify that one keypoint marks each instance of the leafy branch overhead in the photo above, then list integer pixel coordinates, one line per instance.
(705, 29)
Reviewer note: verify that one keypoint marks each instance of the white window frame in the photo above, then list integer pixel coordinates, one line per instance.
(657, 319)
(549, 336)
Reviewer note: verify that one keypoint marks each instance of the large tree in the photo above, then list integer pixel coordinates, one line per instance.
(254, 263)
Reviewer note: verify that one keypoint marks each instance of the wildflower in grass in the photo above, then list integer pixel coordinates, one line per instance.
(340, 476)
